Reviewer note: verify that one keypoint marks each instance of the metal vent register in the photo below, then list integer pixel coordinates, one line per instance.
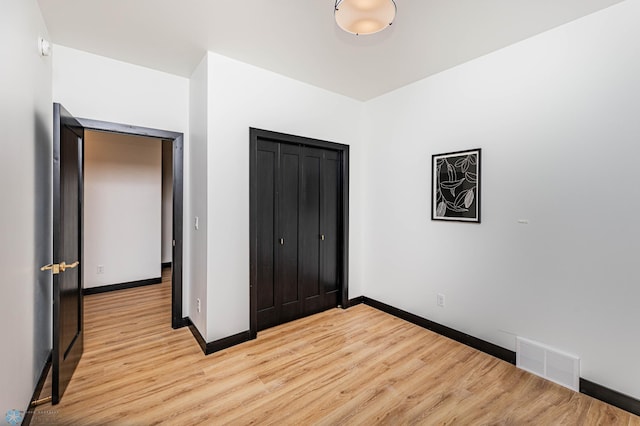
(548, 363)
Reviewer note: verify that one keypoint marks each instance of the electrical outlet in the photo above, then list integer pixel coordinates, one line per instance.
(198, 305)
(100, 269)
(440, 300)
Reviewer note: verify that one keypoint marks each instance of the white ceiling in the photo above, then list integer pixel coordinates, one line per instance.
(299, 38)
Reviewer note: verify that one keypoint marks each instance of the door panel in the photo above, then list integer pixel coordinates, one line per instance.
(310, 230)
(288, 226)
(68, 144)
(330, 217)
(266, 196)
(68, 281)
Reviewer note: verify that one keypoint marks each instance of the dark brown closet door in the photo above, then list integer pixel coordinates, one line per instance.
(278, 199)
(288, 294)
(266, 168)
(329, 229)
(310, 230)
(319, 230)
(297, 217)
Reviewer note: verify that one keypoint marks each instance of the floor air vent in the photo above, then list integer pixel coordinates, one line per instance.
(549, 363)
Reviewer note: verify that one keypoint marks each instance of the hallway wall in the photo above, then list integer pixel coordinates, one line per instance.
(26, 117)
(122, 208)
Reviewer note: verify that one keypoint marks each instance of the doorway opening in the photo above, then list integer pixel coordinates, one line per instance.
(176, 142)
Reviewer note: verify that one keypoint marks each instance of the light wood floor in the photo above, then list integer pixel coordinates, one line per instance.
(355, 366)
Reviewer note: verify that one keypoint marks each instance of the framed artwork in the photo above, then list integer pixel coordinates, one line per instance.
(455, 186)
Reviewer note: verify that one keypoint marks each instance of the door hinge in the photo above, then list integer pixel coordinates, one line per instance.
(174, 243)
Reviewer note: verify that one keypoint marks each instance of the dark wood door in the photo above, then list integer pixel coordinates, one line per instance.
(319, 230)
(266, 233)
(288, 284)
(311, 230)
(278, 170)
(330, 229)
(297, 231)
(68, 143)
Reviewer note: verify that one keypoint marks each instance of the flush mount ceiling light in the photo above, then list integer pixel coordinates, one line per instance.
(361, 17)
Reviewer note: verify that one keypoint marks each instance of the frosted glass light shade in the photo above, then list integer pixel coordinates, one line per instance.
(362, 17)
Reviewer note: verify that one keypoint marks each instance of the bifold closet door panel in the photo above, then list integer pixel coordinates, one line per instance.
(310, 241)
(330, 214)
(288, 220)
(266, 165)
(298, 233)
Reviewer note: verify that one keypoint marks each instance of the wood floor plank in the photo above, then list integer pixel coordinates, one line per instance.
(358, 367)
(604, 414)
(634, 420)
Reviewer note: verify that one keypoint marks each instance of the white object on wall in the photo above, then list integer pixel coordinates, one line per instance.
(44, 47)
(549, 363)
(552, 364)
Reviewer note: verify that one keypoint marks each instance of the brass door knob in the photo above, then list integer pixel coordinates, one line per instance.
(53, 267)
(56, 268)
(64, 266)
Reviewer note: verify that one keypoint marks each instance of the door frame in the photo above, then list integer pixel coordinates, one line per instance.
(283, 138)
(177, 257)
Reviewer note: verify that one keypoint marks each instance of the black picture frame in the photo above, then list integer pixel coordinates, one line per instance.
(455, 186)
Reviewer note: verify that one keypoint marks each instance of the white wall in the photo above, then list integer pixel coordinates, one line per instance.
(557, 118)
(243, 96)
(122, 208)
(99, 88)
(96, 87)
(198, 129)
(167, 201)
(25, 219)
